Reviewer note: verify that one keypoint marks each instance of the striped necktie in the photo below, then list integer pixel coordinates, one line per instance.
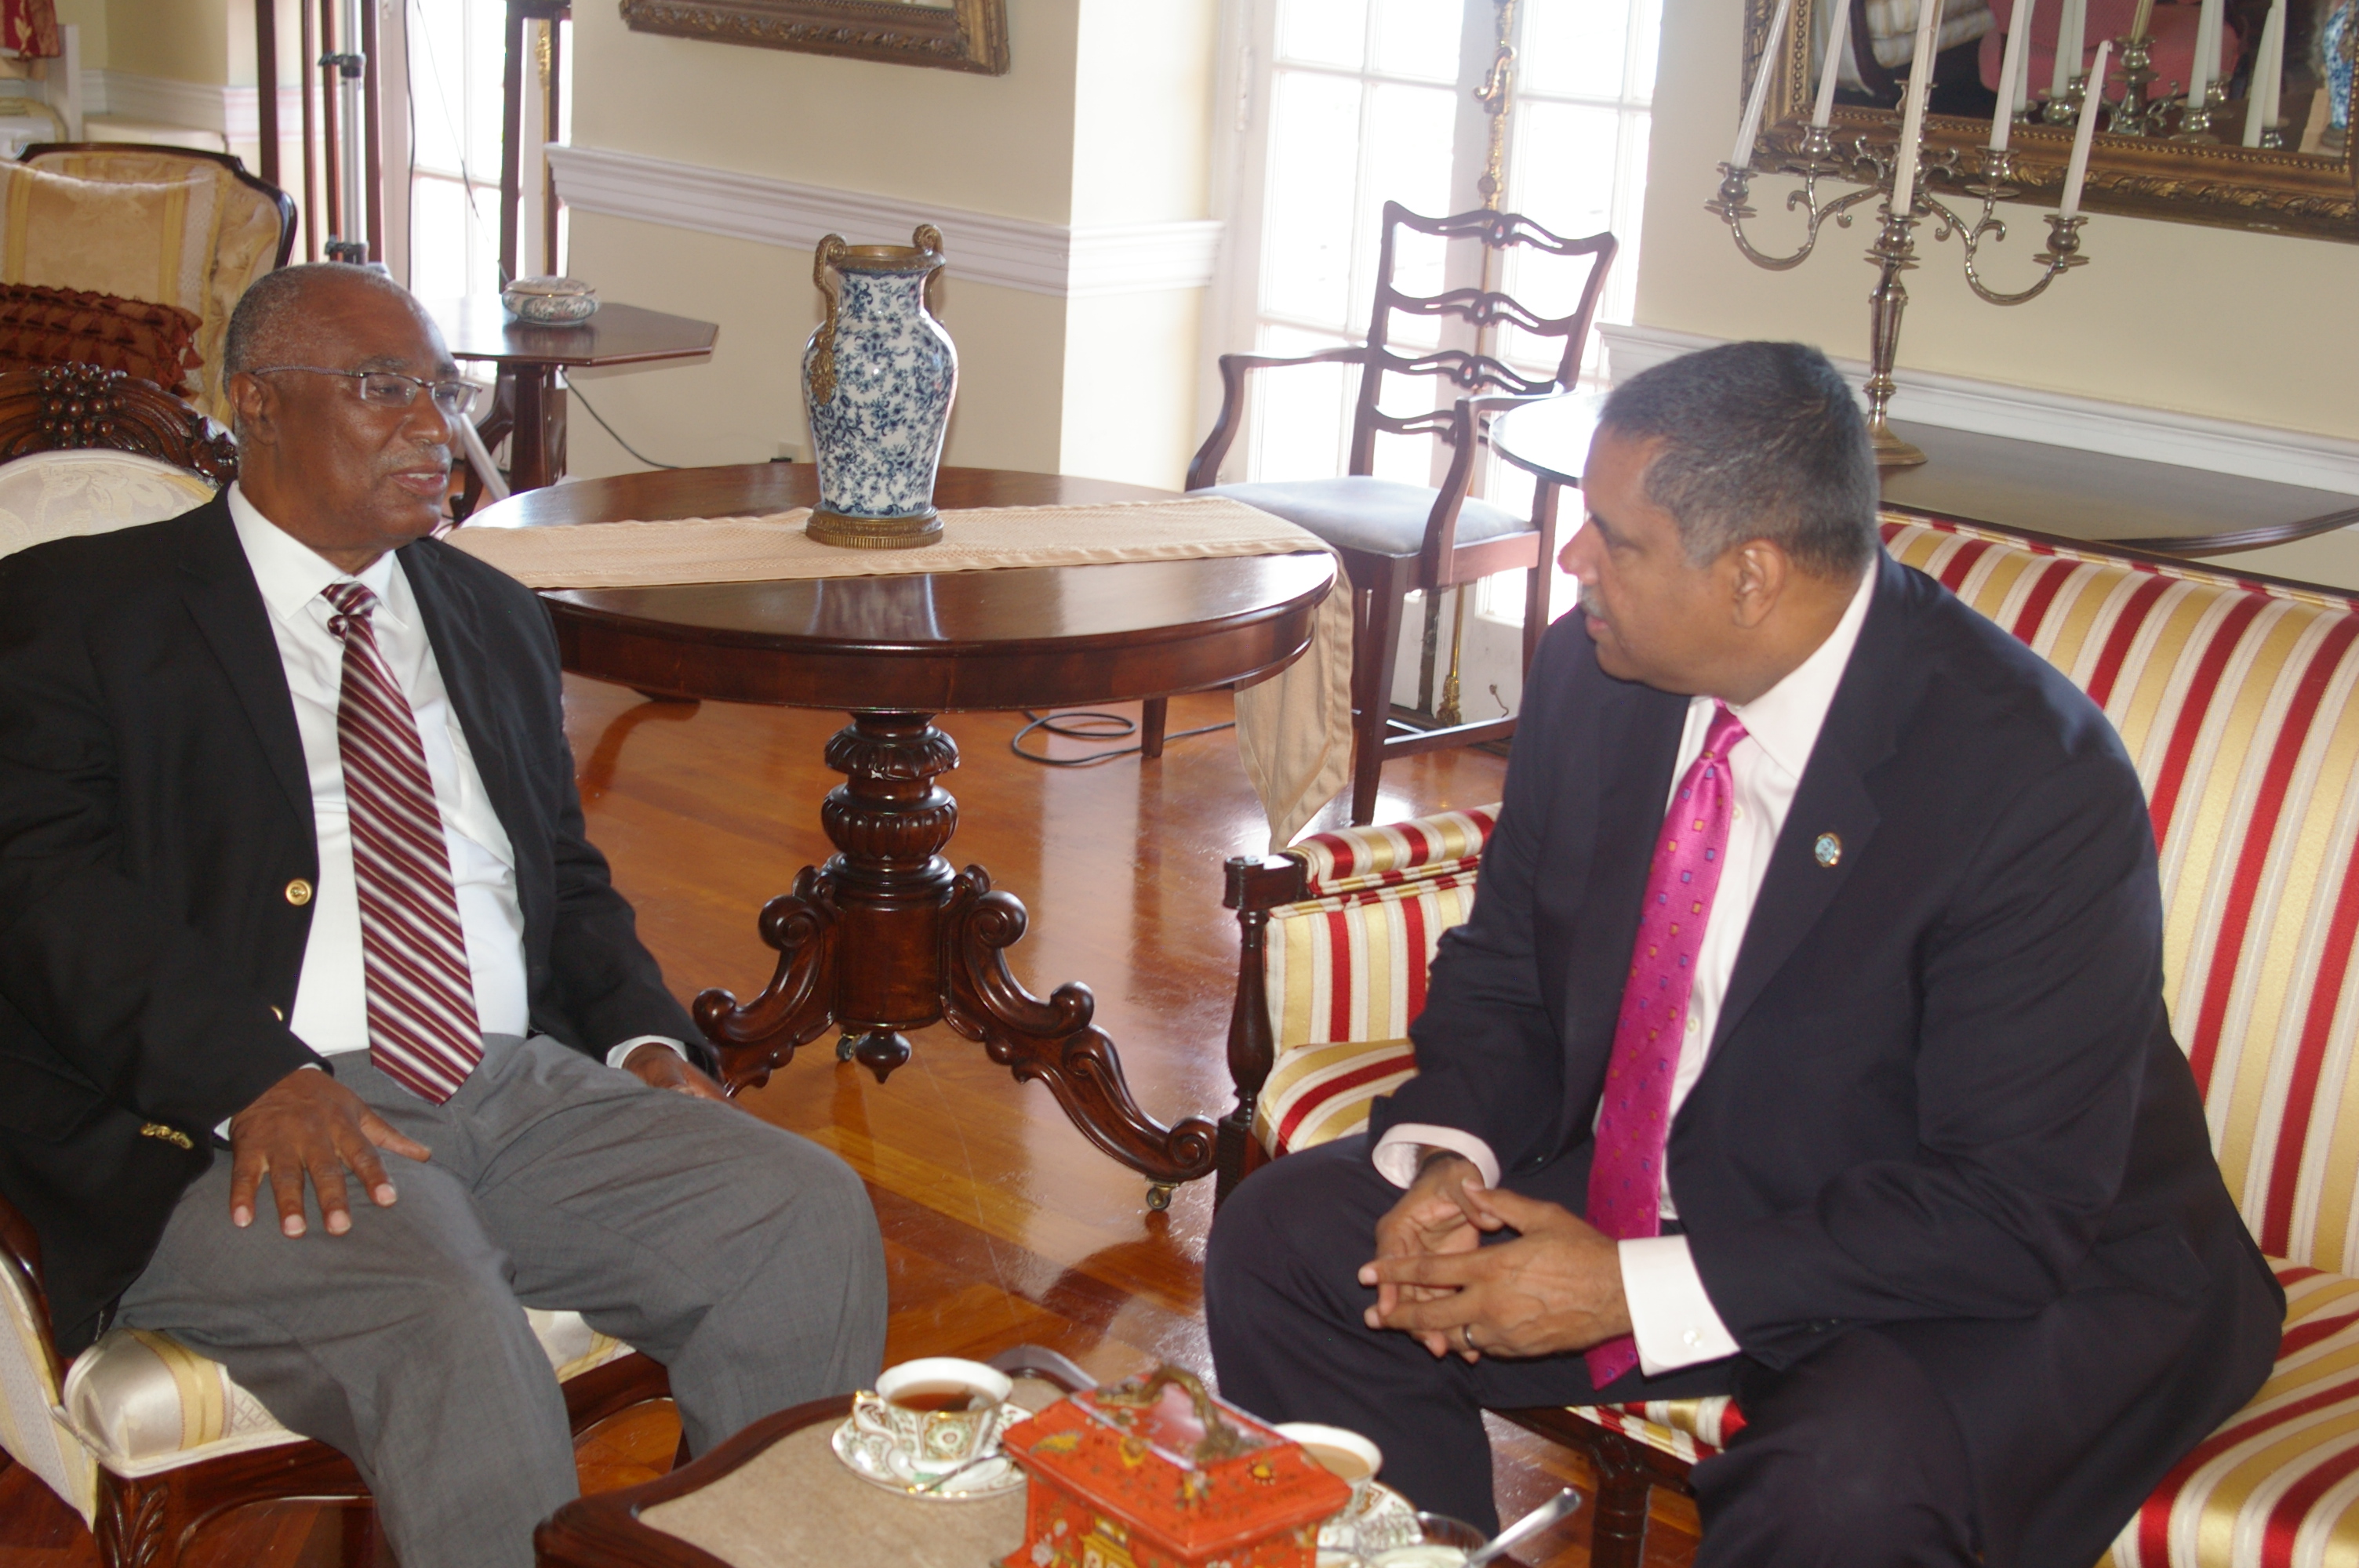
(1626, 1173)
(423, 1028)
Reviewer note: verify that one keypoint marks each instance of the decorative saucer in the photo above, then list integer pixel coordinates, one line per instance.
(875, 1460)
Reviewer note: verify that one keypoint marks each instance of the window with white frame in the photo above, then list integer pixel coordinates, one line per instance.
(457, 53)
(1346, 104)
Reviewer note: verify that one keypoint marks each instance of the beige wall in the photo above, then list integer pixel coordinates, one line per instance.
(1104, 118)
(90, 15)
(2255, 328)
(188, 40)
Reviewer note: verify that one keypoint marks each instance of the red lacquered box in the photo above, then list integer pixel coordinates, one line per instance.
(1155, 1472)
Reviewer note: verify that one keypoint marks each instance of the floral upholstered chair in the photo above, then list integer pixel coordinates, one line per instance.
(2233, 695)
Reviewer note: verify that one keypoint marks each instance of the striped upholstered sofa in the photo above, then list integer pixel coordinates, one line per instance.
(2235, 699)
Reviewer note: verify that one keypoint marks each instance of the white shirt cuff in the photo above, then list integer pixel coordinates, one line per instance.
(1670, 1316)
(1398, 1151)
(621, 1053)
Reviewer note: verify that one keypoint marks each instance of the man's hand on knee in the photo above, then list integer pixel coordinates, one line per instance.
(308, 1125)
(659, 1067)
(1436, 1218)
(1556, 1286)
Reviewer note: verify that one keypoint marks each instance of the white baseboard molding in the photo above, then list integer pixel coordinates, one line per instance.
(235, 111)
(2058, 419)
(1012, 253)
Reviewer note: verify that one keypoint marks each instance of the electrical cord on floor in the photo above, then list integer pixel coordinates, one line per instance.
(575, 388)
(1092, 727)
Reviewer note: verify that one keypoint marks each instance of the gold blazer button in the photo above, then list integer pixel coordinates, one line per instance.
(299, 892)
(278, 1015)
(169, 1134)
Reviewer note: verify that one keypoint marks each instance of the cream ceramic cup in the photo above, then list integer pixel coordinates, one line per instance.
(937, 1413)
(1342, 1453)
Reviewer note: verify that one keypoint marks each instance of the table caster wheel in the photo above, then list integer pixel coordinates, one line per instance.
(1158, 1196)
(844, 1045)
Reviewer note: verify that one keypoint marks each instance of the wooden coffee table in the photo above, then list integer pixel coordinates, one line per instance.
(606, 1530)
(888, 937)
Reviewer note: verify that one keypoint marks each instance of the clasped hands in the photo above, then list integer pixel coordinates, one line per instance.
(308, 1125)
(1555, 1286)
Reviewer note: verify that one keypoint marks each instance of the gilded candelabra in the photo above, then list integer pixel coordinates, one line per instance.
(1870, 166)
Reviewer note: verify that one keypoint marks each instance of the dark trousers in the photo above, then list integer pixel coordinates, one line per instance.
(2026, 1440)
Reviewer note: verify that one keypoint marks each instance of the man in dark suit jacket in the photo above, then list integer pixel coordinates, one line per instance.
(185, 968)
(1932, 1194)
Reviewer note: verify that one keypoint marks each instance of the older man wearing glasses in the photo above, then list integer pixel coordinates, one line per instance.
(292, 869)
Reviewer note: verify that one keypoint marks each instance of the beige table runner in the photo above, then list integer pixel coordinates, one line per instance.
(1294, 730)
(795, 1504)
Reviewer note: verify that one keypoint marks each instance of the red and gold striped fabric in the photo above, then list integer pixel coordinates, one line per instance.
(1448, 843)
(1684, 1429)
(2278, 1486)
(1320, 1093)
(2234, 700)
(1353, 966)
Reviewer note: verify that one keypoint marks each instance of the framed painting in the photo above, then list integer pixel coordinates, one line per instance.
(955, 34)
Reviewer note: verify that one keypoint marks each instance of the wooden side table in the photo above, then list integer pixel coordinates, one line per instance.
(529, 357)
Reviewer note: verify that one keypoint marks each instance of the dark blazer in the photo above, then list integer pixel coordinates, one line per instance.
(154, 812)
(1943, 1085)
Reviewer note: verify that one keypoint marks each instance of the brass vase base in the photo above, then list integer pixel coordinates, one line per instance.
(910, 533)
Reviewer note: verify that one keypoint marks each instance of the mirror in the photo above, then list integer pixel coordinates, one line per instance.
(956, 35)
(2149, 159)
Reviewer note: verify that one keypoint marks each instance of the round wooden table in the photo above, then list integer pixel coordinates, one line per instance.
(886, 936)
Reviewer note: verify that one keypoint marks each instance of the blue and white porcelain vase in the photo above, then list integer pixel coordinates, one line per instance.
(878, 377)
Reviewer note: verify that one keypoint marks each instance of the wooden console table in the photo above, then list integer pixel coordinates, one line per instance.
(2024, 486)
(886, 937)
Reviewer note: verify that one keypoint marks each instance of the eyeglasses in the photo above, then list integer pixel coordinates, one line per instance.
(391, 389)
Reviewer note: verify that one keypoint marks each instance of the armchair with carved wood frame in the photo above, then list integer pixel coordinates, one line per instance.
(2234, 695)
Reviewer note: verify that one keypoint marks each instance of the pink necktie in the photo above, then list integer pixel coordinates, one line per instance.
(423, 1030)
(1633, 1121)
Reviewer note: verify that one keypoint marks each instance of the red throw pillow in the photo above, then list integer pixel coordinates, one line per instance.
(42, 325)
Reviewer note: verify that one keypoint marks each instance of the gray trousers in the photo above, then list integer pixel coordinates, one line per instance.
(744, 1258)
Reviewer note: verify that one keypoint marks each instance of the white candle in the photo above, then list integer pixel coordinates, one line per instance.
(2143, 21)
(2268, 66)
(2010, 73)
(2076, 173)
(1912, 116)
(2207, 52)
(2071, 39)
(1751, 125)
(1838, 41)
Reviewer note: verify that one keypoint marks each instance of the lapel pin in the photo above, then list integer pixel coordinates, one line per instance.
(1827, 850)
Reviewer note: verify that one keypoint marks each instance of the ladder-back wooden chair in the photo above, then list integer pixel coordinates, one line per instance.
(1395, 538)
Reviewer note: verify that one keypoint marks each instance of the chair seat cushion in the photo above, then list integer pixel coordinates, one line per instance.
(1317, 1094)
(1381, 516)
(142, 1403)
(1684, 1429)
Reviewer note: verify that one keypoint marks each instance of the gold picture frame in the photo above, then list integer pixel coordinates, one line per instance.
(2222, 186)
(954, 35)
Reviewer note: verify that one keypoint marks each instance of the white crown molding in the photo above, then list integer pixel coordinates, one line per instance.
(1012, 253)
(235, 111)
(2058, 419)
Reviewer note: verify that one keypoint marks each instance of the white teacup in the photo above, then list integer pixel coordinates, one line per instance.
(1342, 1453)
(935, 1413)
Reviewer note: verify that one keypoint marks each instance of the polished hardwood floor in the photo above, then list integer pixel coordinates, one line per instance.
(1002, 1223)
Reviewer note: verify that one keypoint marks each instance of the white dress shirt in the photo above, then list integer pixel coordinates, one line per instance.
(1671, 1316)
(331, 996)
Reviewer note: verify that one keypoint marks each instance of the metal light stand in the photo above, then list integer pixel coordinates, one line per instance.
(1895, 250)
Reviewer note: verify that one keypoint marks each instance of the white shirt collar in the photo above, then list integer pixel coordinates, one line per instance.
(292, 574)
(1785, 718)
